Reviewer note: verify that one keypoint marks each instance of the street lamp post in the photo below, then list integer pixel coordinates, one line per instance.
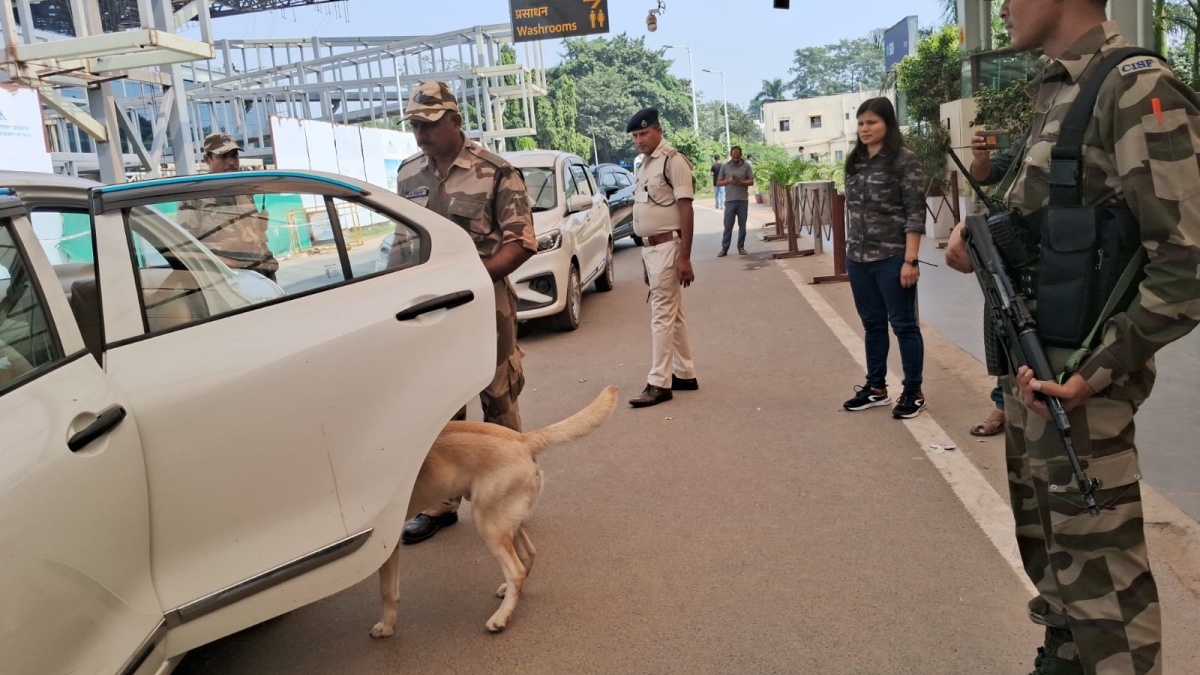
(725, 96)
(595, 150)
(692, 74)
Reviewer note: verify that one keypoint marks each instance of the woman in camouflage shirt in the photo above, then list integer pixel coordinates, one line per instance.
(886, 204)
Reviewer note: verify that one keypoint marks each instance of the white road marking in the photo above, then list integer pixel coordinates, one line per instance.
(987, 508)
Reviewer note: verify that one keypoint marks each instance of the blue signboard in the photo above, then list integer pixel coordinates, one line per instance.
(898, 42)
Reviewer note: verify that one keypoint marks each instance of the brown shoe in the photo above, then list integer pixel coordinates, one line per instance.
(651, 395)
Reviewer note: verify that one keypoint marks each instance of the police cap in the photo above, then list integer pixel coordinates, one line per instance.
(644, 119)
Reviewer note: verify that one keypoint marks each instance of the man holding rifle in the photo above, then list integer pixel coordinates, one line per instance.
(1099, 240)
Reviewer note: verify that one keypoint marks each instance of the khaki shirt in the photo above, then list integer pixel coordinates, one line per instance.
(232, 228)
(1133, 156)
(654, 209)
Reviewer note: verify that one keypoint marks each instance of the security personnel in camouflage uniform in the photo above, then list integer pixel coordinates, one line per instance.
(1096, 596)
(485, 195)
(232, 227)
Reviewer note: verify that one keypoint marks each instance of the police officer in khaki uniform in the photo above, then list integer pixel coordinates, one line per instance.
(1140, 171)
(485, 195)
(663, 217)
(232, 227)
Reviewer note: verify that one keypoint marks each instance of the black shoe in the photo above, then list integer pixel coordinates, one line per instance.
(423, 527)
(1048, 664)
(742, 251)
(651, 395)
(909, 405)
(684, 383)
(867, 397)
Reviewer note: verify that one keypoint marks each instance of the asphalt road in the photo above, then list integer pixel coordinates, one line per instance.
(749, 527)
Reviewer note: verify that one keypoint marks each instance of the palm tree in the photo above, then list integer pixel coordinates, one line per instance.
(774, 89)
(950, 10)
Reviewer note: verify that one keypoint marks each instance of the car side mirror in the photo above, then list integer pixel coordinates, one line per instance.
(579, 203)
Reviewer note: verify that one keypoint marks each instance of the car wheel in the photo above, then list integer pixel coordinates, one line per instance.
(608, 277)
(568, 318)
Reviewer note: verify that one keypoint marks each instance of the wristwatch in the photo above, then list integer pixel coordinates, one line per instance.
(914, 262)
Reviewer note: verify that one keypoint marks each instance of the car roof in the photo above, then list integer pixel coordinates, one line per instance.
(36, 186)
(533, 158)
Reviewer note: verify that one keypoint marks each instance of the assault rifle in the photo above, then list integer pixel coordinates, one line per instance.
(1006, 308)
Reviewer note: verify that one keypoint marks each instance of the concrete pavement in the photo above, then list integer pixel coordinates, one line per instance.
(749, 527)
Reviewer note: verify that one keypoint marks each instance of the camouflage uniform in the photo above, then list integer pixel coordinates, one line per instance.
(1096, 594)
(233, 228)
(485, 196)
(882, 209)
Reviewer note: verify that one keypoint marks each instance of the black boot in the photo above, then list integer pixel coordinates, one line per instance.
(1048, 662)
(423, 527)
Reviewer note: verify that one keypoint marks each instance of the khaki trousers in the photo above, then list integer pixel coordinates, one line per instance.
(671, 351)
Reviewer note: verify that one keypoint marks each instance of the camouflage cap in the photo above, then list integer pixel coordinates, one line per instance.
(220, 143)
(430, 101)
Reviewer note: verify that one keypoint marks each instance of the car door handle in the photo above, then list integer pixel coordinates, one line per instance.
(105, 422)
(450, 301)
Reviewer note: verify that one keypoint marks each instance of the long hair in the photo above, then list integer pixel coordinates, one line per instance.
(892, 141)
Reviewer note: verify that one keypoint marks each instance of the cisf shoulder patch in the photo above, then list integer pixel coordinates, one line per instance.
(1138, 64)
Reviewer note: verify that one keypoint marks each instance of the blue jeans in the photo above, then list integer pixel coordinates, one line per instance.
(880, 299)
(741, 210)
(720, 196)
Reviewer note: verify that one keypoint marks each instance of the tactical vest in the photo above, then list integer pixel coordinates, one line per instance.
(1090, 256)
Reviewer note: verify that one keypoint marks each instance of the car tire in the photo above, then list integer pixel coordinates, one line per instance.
(608, 277)
(569, 318)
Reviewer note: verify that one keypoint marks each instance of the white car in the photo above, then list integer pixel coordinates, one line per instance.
(189, 451)
(574, 237)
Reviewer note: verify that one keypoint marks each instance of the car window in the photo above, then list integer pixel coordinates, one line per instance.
(28, 343)
(583, 180)
(539, 181)
(66, 237)
(622, 179)
(378, 241)
(203, 258)
(569, 188)
(608, 179)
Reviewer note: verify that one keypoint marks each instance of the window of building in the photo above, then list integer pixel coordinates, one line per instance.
(785, 125)
(814, 122)
(839, 155)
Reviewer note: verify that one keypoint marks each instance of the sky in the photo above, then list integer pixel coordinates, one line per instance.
(747, 39)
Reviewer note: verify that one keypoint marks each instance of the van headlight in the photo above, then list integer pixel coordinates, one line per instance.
(549, 241)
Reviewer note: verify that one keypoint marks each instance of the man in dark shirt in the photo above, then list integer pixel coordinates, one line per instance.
(718, 189)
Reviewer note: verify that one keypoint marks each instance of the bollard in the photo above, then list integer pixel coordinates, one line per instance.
(837, 207)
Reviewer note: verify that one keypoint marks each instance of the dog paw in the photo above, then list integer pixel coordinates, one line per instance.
(496, 625)
(382, 630)
(500, 592)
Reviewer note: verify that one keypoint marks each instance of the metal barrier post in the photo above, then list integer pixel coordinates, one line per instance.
(837, 208)
(793, 227)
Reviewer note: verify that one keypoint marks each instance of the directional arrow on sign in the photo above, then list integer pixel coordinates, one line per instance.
(595, 3)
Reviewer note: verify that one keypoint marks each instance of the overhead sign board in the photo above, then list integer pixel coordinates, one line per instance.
(555, 19)
(899, 41)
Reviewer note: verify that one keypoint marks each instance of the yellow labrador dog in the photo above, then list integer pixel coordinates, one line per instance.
(494, 467)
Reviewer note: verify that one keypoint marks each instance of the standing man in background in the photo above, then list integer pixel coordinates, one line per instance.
(736, 176)
(718, 191)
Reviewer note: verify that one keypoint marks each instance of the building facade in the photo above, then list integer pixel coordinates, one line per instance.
(821, 129)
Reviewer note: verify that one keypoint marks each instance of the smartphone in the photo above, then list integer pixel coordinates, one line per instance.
(996, 139)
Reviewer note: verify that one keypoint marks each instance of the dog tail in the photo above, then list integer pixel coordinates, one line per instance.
(576, 426)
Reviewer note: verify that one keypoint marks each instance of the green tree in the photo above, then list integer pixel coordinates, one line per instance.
(557, 119)
(772, 90)
(614, 78)
(933, 76)
(699, 151)
(743, 127)
(844, 67)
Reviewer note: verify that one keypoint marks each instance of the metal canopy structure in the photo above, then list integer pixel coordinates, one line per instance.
(124, 94)
(357, 80)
